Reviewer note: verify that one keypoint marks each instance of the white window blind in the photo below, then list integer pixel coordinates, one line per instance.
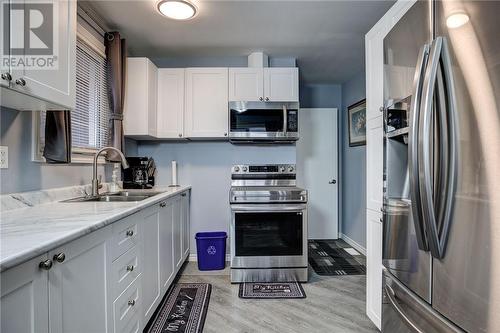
(90, 119)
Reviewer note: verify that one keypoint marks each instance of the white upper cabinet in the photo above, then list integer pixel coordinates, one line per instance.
(43, 89)
(246, 84)
(140, 99)
(281, 84)
(206, 103)
(170, 113)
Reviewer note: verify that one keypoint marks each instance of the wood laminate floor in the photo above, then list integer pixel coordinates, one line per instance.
(333, 304)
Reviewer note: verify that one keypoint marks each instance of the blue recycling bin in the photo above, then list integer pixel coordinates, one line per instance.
(211, 250)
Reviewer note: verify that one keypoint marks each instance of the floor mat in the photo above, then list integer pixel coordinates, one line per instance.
(271, 290)
(184, 310)
(335, 257)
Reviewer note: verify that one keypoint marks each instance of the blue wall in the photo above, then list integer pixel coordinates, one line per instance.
(353, 180)
(320, 96)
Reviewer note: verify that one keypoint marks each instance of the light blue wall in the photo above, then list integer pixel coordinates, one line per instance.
(206, 166)
(353, 180)
(321, 96)
(25, 175)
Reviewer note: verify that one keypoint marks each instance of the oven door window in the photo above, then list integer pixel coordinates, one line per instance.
(257, 120)
(268, 234)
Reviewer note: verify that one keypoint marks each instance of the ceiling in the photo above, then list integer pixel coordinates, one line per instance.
(326, 37)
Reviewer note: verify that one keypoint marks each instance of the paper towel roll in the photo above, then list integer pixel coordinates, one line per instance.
(174, 173)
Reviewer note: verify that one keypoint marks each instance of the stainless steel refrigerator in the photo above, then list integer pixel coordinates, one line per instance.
(441, 242)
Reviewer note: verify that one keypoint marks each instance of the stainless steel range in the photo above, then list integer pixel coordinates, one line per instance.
(268, 224)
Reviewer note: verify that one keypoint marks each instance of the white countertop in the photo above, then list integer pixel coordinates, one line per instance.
(28, 232)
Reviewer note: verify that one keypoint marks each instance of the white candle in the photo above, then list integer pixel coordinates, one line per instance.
(174, 173)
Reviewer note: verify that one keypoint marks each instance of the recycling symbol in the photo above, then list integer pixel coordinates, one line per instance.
(211, 250)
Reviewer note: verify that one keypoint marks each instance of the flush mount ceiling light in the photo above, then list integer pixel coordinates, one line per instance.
(177, 9)
(457, 20)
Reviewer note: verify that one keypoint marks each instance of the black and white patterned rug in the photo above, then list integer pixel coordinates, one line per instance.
(335, 257)
(273, 290)
(184, 310)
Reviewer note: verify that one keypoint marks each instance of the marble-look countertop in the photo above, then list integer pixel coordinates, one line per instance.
(35, 229)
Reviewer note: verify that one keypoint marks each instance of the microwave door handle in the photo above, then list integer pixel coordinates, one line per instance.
(285, 121)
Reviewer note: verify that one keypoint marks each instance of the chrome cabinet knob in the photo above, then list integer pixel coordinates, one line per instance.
(225, 134)
(183, 194)
(130, 268)
(21, 82)
(381, 220)
(381, 109)
(45, 265)
(180, 135)
(267, 98)
(129, 233)
(333, 181)
(60, 257)
(131, 302)
(6, 77)
(163, 204)
(236, 169)
(261, 98)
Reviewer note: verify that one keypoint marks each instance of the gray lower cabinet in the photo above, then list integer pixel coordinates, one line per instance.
(110, 280)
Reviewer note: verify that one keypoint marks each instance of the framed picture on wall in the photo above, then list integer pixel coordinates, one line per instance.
(357, 123)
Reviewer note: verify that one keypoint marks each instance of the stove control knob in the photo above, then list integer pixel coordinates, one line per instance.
(290, 168)
(236, 168)
(282, 169)
(245, 169)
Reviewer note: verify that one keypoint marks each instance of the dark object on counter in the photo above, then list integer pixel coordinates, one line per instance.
(211, 248)
(140, 174)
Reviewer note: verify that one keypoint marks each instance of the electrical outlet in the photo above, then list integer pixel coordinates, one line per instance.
(4, 157)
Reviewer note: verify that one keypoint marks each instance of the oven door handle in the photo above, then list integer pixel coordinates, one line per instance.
(267, 207)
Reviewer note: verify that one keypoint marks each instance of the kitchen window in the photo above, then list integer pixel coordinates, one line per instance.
(90, 119)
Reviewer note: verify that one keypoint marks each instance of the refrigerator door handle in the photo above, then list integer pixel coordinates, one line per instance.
(438, 236)
(413, 148)
(391, 295)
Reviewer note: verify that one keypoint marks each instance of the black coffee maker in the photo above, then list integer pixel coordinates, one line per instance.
(140, 174)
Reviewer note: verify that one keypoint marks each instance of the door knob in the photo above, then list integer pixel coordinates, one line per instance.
(7, 77)
(333, 181)
(60, 257)
(21, 82)
(45, 265)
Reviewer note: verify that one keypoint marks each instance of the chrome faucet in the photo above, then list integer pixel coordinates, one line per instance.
(95, 181)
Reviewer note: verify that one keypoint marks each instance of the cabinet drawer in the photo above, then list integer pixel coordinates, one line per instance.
(125, 235)
(124, 270)
(126, 308)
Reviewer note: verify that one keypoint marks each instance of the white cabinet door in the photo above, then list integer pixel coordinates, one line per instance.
(170, 112)
(206, 106)
(166, 219)
(53, 85)
(79, 293)
(374, 46)
(374, 266)
(281, 84)
(24, 299)
(151, 290)
(177, 236)
(186, 232)
(246, 84)
(139, 113)
(375, 161)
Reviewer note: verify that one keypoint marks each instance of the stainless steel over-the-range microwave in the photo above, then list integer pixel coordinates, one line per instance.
(263, 122)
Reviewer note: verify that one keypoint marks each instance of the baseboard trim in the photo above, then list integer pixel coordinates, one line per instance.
(194, 258)
(374, 318)
(353, 243)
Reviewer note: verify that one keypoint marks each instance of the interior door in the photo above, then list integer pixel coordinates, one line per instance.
(466, 283)
(317, 169)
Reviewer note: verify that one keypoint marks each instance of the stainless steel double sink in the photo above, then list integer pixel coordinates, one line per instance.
(123, 196)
